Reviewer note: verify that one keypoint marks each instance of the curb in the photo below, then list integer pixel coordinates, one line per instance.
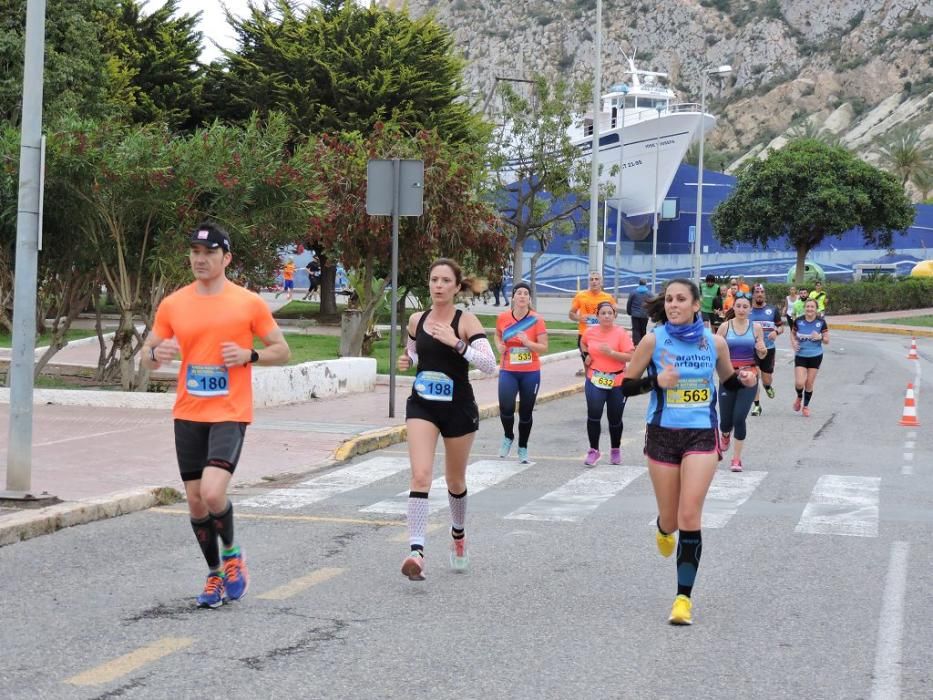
(386, 437)
(27, 524)
(883, 329)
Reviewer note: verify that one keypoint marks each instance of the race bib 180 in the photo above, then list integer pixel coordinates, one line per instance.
(207, 380)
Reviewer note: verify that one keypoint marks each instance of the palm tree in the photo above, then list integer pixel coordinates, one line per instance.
(923, 181)
(905, 155)
(806, 129)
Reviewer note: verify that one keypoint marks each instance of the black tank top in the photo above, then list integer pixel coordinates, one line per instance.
(434, 356)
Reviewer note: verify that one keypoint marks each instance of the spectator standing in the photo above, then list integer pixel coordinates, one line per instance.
(583, 308)
(635, 307)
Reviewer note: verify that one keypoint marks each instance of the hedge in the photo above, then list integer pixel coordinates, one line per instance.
(866, 296)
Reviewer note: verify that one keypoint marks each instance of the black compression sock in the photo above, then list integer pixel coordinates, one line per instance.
(207, 540)
(807, 395)
(223, 525)
(689, 547)
(799, 393)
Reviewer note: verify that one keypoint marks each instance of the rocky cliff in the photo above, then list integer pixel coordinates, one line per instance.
(853, 69)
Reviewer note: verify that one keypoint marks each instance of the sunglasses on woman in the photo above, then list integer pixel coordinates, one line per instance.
(743, 295)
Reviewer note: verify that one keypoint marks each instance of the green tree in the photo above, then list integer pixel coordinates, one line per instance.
(807, 191)
(905, 154)
(154, 58)
(455, 222)
(342, 68)
(542, 181)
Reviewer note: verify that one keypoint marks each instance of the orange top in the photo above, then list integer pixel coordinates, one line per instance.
(288, 272)
(585, 303)
(200, 323)
(618, 340)
(514, 359)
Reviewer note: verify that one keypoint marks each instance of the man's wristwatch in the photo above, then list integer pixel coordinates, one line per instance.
(152, 354)
(460, 347)
(253, 357)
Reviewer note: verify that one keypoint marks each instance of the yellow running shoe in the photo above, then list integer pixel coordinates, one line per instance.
(680, 613)
(666, 543)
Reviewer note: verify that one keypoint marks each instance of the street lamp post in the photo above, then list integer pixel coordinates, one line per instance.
(698, 235)
(594, 151)
(617, 258)
(654, 233)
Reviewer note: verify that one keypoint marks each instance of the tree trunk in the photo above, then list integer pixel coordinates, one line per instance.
(517, 259)
(352, 329)
(328, 288)
(534, 276)
(801, 265)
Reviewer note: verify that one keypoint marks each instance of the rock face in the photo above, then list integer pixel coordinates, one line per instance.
(863, 66)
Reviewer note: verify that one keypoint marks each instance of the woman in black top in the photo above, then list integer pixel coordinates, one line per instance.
(442, 342)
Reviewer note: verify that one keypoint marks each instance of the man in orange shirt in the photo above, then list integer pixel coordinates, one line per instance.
(288, 279)
(211, 323)
(583, 308)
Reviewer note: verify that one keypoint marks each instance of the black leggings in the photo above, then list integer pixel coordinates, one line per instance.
(614, 402)
(525, 386)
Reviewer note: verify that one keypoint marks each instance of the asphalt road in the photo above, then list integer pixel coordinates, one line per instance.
(814, 577)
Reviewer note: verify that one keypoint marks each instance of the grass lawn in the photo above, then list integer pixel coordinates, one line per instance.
(926, 321)
(308, 348)
(311, 310)
(6, 340)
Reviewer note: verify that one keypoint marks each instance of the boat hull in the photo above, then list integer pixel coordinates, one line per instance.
(653, 149)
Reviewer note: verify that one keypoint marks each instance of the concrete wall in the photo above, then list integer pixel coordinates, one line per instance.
(272, 386)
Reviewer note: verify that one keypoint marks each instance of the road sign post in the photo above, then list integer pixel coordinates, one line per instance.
(394, 188)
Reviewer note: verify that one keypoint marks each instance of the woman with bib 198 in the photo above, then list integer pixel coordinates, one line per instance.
(682, 358)
(442, 342)
(521, 337)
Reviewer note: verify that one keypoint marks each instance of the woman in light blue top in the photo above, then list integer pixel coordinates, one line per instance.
(682, 358)
(746, 346)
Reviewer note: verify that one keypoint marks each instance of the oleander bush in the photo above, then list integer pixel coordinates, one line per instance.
(866, 296)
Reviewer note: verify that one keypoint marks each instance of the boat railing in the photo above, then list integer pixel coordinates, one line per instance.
(684, 107)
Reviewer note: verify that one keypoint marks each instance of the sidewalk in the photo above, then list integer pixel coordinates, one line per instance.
(868, 323)
(107, 461)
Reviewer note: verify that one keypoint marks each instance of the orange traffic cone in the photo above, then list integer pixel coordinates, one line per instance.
(910, 408)
(912, 355)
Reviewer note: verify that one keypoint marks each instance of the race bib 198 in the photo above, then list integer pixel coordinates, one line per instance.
(207, 380)
(689, 393)
(434, 386)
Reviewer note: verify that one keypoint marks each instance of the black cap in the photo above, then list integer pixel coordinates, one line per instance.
(520, 285)
(211, 237)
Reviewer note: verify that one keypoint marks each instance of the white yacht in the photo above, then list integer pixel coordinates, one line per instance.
(656, 132)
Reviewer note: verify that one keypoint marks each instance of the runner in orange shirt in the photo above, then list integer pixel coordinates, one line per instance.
(211, 323)
(520, 338)
(583, 308)
(606, 348)
(288, 279)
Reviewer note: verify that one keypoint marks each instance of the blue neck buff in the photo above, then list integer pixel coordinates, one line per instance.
(688, 332)
(641, 289)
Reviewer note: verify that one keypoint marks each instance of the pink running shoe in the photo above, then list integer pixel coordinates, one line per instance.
(413, 567)
(724, 441)
(797, 405)
(615, 455)
(459, 557)
(736, 465)
(806, 411)
(592, 457)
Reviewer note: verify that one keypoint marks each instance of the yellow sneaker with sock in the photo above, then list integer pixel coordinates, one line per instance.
(681, 613)
(666, 543)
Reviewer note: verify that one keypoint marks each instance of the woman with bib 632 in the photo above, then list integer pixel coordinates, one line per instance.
(606, 348)
(682, 358)
(442, 342)
(521, 337)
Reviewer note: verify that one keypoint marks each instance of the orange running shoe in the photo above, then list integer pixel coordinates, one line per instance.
(413, 566)
(806, 411)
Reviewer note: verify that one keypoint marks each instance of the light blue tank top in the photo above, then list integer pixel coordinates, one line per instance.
(741, 347)
(692, 403)
(803, 328)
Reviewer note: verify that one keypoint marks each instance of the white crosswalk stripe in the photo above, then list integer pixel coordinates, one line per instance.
(480, 476)
(842, 505)
(323, 487)
(580, 496)
(726, 494)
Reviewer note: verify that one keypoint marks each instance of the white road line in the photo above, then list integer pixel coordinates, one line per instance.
(910, 444)
(908, 456)
(912, 435)
(887, 675)
(480, 475)
(907, 470)
(726, 494)
(83, 437)
(580, 496)
(323, 487)
(842, 505)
